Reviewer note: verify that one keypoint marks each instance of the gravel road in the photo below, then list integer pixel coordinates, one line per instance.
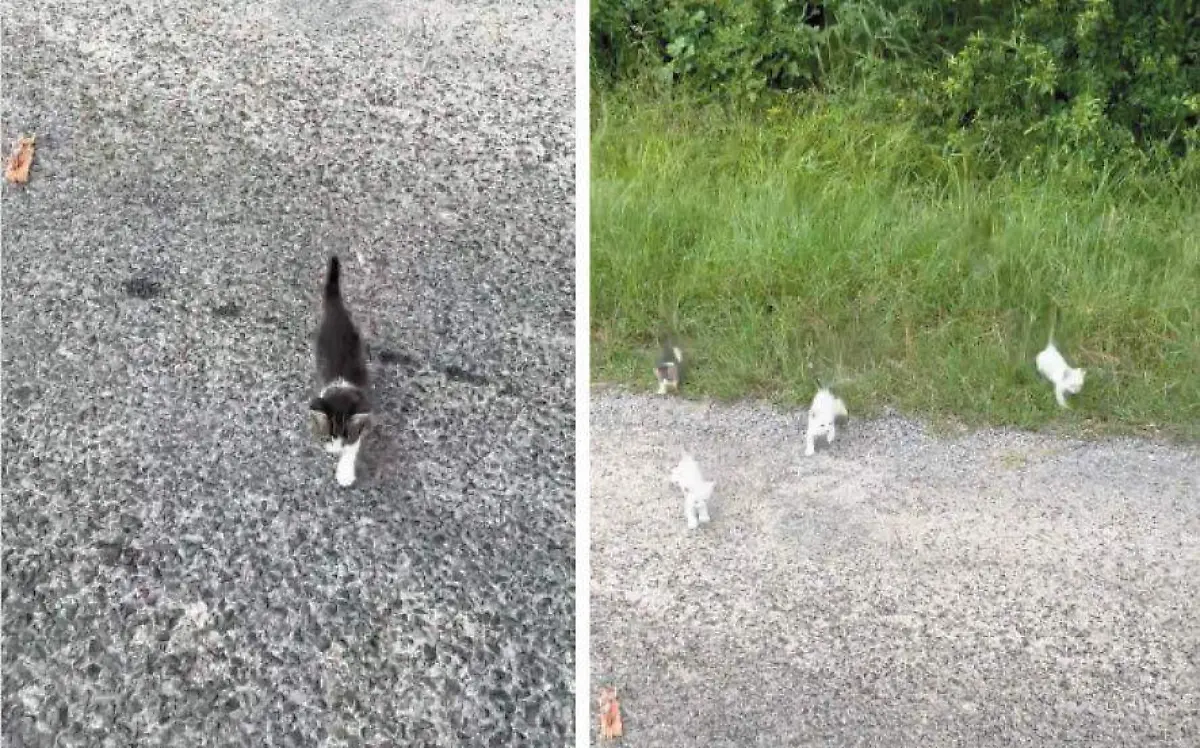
(899, 589)
(180, 567)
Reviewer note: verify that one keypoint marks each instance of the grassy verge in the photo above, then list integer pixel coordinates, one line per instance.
(792, 246)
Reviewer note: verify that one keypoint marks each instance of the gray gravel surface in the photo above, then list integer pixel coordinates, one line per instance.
(180, 567)
(899, 589)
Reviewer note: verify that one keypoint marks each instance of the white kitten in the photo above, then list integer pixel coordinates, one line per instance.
(696, 491)
(823, 415)
(1066, 381)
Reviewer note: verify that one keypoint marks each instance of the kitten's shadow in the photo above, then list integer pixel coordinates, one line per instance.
(389, 442)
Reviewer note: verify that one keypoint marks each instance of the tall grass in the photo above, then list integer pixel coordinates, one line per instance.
(824, 244)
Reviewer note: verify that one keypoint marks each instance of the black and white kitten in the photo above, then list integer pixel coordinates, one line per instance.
(669, 367)
(341, 414)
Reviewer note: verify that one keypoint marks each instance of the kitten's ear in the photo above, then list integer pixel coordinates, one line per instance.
(359, 423)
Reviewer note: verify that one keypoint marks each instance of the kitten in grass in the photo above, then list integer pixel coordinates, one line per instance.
(341, 414)
(1066, 380)
(696, 491)
(824, 413)
(669, 368)
(1051, 365)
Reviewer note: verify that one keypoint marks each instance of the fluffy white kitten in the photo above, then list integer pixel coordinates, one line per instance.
(1066, 381)
(696, 491)
(823, 415)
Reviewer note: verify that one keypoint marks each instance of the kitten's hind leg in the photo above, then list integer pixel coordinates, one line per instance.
(810, 446)
(830, 434)
(346, 464)
(702, 511)
(689, 506)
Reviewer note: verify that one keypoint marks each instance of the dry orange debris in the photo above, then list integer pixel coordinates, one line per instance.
(610, 714)
(17, 168)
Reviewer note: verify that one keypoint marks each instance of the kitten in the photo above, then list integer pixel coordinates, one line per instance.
(696, 491)
(669, 368)
(823, 416)
(341, 414)
(1052, 366)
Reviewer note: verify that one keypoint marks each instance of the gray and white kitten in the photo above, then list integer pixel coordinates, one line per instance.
(341, 413)
(669, 368)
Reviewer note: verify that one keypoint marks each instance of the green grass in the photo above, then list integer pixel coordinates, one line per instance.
(792, 245)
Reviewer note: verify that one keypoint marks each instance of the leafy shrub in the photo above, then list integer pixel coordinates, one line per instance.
(1089, 77)
(1040, 80)
(735, 50)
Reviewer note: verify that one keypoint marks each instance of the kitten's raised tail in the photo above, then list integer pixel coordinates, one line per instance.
(333, 287)
(1053, 323)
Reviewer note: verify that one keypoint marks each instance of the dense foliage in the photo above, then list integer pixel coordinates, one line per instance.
(1007, 81)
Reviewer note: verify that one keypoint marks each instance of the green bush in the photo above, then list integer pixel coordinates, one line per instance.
(1007, 82)
(734, 50)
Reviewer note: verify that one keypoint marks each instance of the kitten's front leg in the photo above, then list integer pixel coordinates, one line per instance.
(830, 434)
(1060, 396)
(689, 506)
(345, 468)
(810, 446)
(702, 512)
(345, 472)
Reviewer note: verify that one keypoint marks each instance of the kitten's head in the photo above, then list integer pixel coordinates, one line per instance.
(340, 417)
(1072, 380)
(826, 410)
(820, 423)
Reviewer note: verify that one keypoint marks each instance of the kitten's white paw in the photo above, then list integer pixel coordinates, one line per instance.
(345, 476)
(810, 450)
(692, 523)
(704, 518)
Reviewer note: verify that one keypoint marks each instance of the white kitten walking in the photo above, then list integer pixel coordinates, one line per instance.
(1052, 366)
(696, 491)
(823, 415)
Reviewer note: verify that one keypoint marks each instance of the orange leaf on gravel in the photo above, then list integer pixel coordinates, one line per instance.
(610, 714)
(17, 168)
